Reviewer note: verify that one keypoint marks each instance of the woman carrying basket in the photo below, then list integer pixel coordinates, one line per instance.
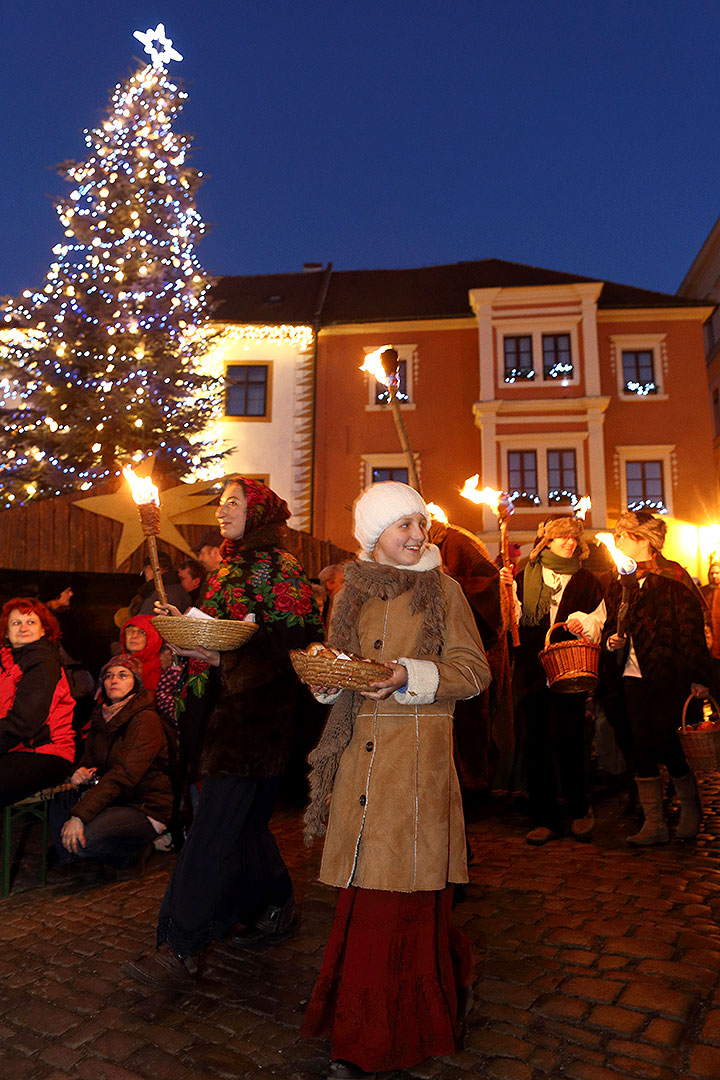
(394, 987)
(554, 589)
(661, 660)
(230, 869)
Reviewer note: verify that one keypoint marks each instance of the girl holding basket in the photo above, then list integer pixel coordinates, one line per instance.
(394, 987)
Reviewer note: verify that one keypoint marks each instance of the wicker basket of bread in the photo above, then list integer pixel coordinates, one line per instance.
(319, 665)
(222, 635)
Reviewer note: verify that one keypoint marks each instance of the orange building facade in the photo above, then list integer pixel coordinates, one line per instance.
(547, 385)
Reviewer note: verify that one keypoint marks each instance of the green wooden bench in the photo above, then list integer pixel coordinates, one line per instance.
(34, 806)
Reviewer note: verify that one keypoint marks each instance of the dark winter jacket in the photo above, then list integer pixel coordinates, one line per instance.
(130, 753)
(666, 623)
(582, 593)
(36, 706)
(250, 730)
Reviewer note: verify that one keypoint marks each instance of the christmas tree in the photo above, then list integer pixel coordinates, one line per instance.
(104, 363)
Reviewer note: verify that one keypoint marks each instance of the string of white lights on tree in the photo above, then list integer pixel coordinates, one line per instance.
(103, 363)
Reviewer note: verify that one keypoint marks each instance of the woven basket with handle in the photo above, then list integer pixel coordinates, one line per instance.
(701, 747)
(571, 666)
(353, 674)
(223, 635)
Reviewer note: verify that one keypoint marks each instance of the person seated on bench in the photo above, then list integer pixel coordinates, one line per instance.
(122, 797)
(37, 742)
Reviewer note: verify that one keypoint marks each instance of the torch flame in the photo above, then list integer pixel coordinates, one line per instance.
(437, 513)
(373, 366)
(487, 496)
(582, 507)
(624, 563)
(142, 487)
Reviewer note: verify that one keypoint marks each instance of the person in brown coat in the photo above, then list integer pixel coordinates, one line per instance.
(122, 797)
(394, 987)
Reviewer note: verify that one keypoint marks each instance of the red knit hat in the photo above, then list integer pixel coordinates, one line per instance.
(123, 659)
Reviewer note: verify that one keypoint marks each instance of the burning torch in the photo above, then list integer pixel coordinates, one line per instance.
(502, 504)
(145, 495)
(382, 364)
(627, 568)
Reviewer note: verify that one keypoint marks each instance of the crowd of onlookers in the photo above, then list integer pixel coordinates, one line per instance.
(516, 737)
(518, 676)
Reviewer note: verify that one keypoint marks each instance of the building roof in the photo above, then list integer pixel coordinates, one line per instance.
(426, 292)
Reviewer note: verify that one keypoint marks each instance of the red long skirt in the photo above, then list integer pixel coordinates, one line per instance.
(387, 990)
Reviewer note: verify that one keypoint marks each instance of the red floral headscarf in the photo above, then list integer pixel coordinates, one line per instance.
(264, 508)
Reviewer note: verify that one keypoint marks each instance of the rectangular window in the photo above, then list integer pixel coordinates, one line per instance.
(518, 358)
(381, 392)
(523, 477)
(246, 390)
(378, 475)
(557, 358)
(639, 372)
(645, 489)
(562, 476)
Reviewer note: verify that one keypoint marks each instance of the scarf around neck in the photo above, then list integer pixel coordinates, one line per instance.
(114, 708)
(537, 595)
(365, 580)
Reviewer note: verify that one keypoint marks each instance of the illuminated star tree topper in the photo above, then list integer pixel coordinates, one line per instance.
(157, 45)
(106, 362)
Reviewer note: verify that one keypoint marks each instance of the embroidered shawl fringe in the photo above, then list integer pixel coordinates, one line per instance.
(362, 581)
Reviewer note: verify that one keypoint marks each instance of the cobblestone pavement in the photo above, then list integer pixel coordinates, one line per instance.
(594, 962)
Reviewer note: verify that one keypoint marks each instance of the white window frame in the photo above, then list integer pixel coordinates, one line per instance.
(654, 343)
(662, 452)
(382, 461)
(541, 443)
(522, 328)
(408, 353)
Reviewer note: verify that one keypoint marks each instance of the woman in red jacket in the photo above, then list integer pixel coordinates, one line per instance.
(37, 743)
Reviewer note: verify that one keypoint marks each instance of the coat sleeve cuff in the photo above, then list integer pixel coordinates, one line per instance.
(327, 699)
(422, 684)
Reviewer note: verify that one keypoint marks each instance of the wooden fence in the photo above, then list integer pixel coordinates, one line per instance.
(56, 535)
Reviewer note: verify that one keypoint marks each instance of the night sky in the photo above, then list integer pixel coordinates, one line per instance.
(575, 135)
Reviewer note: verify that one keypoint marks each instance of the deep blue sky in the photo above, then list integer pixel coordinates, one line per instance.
(571, 134)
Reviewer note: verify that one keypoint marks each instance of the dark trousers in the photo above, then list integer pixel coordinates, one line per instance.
(557, 756)
(115, 836)
(654, 716)
(22, 773)
(230, 868)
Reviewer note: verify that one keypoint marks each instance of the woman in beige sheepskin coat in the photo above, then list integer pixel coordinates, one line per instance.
(394, 970)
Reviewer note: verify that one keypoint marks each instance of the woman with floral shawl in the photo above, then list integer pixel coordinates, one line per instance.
(230, 869)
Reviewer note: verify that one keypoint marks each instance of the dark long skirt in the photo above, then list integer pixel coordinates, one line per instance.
(388, 988)
(230, 868)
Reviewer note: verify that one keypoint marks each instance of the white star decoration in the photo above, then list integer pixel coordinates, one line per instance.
(158, 47)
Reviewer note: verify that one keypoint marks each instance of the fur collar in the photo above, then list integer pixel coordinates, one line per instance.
(365, 580)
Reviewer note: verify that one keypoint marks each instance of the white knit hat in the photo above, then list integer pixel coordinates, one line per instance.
(380, 506)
